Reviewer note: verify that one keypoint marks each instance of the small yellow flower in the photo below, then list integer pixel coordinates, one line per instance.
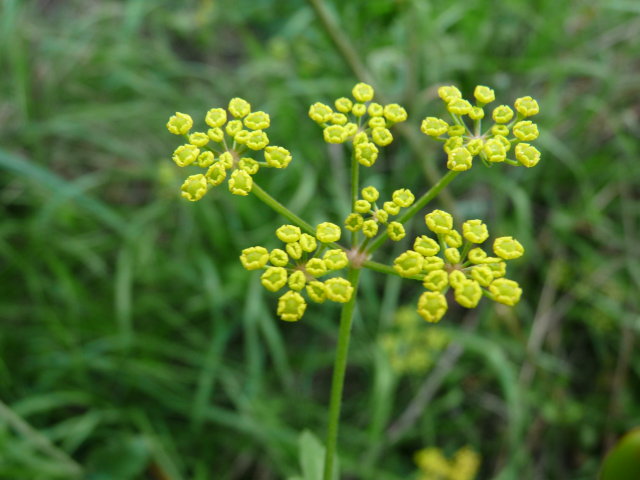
(527, 106)
(502, 114)
(233, 127)
(500, 130)
(274, 278)
(205, 159)
(291, 306)
(484, 94)
(199, 139)
(459, 159)
(459, 106)
(475, 146)
(215, 134)
(216, 117)
(277, 157)
(257, 120)
(339, 118)
(377, 122)
(288, 233)
(452, 255)
(370, 194)
(242, 136)
(453, 239)
(339, 289)
(317, 291)
(180, 124)
(527, 155)
(297, 280)
(432, 263)
(362, 92)
(254, 258)
(499, 269)
(475, 231)
(294, 250)
(359, 109)
(381, 136)
(370, 228)
(439, 221)
(395, 113)
(375, 109)
(508, 248)
(456, 130)
(351, 129)
(257, 140)
(434, 127)
(308, 242)
(453, 143)
(316, 267)
(408, 264)
(482, 274)
(396, 231)
(525, 131)
(476, 113)
(328, 232)
(403, 197)
(335, 259)
(392, 208)
(436, 280)
(335, 134)
(362, 206)
(353, 222)
(426, 246)
(505, 291)
(239, 107)
(449, 93)
(226, 160)
(380, 216)
(320, 113)
(344, 105)
(468, 293)
(360, 137)
(216, 174)
(456, 277)
(185, 155)
(249, 165)
(494, 150)
(477, 255)
(240, 183)
(432, 306)
(366, 153)
(278, 257)
(194, 187)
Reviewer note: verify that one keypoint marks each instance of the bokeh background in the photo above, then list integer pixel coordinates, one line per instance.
(133, 345)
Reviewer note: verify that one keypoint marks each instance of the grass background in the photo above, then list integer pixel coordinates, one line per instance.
(132, 344)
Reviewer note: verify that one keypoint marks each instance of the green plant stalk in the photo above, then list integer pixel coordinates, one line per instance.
(416, 207)
(339, 369)
(281, 209)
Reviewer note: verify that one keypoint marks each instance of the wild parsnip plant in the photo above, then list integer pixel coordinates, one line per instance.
(323, 262)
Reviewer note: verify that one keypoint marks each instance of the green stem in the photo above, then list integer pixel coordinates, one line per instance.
(339, 369)
(281, 209)
(416, 207)
(340, 40)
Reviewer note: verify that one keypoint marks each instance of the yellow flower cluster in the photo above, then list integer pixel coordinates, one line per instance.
(434, 465)
(226, 149)
(464, 140)
(411, 347)
(367, 216)
(304, 259)
(359, 120)
(457, 261)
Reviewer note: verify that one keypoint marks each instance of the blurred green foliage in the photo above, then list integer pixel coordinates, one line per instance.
(134, 346)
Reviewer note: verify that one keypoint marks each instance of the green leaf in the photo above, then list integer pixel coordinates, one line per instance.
(623, 461)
